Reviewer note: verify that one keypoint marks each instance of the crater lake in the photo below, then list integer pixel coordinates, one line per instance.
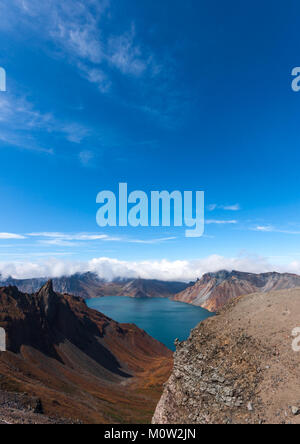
(163, 319)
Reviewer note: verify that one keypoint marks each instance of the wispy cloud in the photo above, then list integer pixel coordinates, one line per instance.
(74, 132)
(123, 54)
(57, 243)
(18, 120)
(75, 27)
(96, 76)
(84, 35)
(70, 237)
(220, 222)
(69, 240)
(21, 125)
(271, 229)
(11, 236)
(86, 157)
(151, 241)
(235, 207)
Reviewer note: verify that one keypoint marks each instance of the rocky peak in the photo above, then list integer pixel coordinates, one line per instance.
(219, 275)
(47, 288)
(48, 300)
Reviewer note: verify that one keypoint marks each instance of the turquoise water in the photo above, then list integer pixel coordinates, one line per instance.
(163, 319)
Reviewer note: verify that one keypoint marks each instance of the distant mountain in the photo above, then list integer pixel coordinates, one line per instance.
(143, 288)
(89, 285)
(214, 290)
(80, 284)
(75, 362)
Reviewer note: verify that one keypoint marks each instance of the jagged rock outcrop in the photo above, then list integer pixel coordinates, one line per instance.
(239, 366)
(49, 301)
(82, 365)
(214, 290)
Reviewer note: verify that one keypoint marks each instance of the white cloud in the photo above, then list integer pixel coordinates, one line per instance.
(151, 241)
(70, 237)
(48, 268)
(96, 76)
(271, 229)
(76, 29)
(68, 240)
(179, 270)
(11, 236)
(266, 229)
(57, 243)
(235, 207)
(19, 120)
(75, 132)
(212, 207)
(22, 112)
(85, 157)
(125, 55)
(220, 222)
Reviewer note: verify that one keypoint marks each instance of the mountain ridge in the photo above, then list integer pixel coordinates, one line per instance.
(214, 290)
(89, 285)
(211, 292)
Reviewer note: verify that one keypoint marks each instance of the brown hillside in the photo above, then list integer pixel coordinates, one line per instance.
(79, 363)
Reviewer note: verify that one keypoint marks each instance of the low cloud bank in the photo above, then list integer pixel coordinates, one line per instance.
(107, 268)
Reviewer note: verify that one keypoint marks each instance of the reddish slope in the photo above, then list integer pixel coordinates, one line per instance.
(81, 364)
(214, 290)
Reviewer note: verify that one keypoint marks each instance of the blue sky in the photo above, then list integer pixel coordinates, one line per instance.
(168, 95)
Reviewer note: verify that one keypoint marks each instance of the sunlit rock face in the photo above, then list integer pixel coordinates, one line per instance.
(214, 290)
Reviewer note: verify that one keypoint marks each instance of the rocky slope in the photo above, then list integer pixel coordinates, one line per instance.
(214, 290)
(81, 365)
(89, 285)
(22, 409)
(239, 366)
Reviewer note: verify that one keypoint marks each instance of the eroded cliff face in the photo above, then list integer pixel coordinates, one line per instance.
(214, 290)
(238, 367)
